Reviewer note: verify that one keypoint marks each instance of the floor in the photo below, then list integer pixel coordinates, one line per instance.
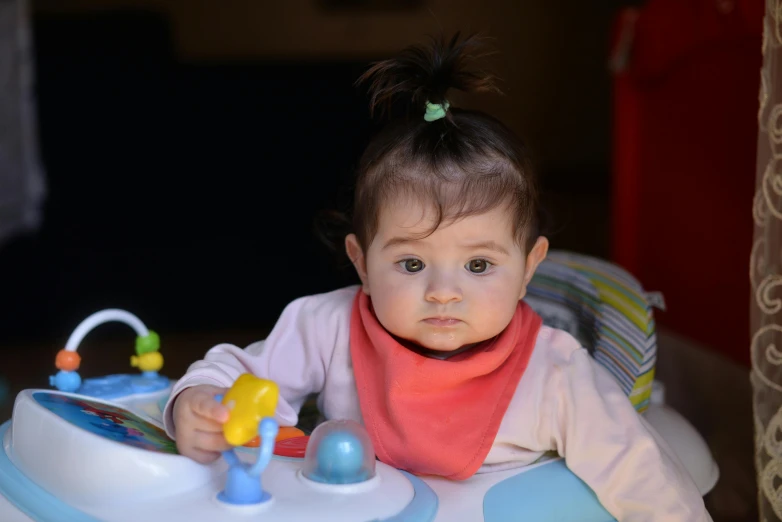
(715, 395)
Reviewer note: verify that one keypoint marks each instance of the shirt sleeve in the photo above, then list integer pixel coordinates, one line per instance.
(615, 451)
(295, 356)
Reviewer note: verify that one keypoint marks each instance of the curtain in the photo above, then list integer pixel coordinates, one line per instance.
(21, 177)
(766, 274)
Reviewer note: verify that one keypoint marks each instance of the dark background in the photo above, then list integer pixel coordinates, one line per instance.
(184, 188)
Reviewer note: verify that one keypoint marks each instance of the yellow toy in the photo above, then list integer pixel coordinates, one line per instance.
(147, 362)
(250, 399)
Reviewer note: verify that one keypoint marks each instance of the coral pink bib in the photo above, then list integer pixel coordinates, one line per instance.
(430, 416)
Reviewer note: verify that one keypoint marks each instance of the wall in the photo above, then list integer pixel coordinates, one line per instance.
(552, 59)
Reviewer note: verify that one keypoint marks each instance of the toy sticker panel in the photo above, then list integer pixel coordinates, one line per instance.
(107, 421)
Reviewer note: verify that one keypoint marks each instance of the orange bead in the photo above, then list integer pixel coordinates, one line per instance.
(67, 361)
(286, 432)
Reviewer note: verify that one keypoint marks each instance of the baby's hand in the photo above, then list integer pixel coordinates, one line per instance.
(199, 419)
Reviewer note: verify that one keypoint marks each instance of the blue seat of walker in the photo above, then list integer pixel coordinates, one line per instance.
(548, 493)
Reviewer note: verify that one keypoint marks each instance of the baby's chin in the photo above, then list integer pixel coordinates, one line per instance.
(443, 343)
(430, 339)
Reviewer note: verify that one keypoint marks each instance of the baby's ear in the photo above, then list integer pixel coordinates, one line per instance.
(534, 258)
(356, 255)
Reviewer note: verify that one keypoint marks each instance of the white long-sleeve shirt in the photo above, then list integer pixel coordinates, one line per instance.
(564, 402)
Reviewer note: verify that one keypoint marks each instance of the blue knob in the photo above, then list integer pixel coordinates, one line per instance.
(243, 483)
(340, 458)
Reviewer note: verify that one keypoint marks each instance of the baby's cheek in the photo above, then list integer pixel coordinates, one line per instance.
(498, 301)
(390, 305)
(499, 292)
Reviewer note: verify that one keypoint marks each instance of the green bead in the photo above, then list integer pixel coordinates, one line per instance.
(148, 343)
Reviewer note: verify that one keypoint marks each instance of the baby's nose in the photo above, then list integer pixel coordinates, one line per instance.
(443, 291)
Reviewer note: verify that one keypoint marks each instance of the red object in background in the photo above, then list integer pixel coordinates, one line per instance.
(686, 84)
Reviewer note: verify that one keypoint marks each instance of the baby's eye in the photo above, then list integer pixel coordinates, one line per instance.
(478, 266)
(412, 265)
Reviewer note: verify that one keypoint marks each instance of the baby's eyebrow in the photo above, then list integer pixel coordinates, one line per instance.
(488, 245)
(398, 240)
(482, 245)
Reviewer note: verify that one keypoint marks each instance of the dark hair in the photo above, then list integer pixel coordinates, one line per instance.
(466, 163)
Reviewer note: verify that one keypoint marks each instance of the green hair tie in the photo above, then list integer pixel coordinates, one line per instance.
(435, 111)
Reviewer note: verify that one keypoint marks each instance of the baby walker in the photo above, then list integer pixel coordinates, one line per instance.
(94, 449)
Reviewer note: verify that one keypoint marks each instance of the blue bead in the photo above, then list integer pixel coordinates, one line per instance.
(66, 381)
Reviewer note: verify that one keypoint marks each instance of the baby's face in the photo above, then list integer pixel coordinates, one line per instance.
(456, 287)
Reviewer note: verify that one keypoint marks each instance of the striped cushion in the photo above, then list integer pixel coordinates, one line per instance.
(607, 310)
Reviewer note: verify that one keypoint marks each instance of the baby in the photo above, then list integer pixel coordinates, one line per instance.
(435, 353)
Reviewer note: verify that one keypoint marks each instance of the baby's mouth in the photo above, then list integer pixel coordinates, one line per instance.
(443, 322)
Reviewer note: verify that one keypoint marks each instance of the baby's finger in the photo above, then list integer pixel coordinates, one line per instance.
(206, 406)
(210, 441)
(199, 423)
(202, 456)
